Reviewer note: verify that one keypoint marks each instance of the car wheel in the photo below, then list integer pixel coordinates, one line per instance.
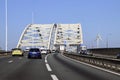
(22, 55)
(29, 57)
(40, 57)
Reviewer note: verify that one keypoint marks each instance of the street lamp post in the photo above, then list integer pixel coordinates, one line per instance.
(107, 41)
(32, 18)
(6, 43)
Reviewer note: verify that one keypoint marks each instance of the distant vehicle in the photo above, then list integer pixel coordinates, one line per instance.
(62, 48)
(44, 52)
(118, 56)
(17, 52)
(34, 53)
(53, 51)
(48, 51)
(57, 51)
(27, 49)
(83, 50)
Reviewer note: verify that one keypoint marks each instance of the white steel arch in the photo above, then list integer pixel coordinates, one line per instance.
(36, 35)
(69, 33)
(21, 37)
(49, 36)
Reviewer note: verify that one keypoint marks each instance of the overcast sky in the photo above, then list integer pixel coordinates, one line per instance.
(96, 17)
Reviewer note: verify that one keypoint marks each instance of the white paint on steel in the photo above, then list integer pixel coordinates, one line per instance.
(81, 34)
(22, 35)
(44, 34)
(71, 33)
(30, 33)
(50, 36)
(56, 33)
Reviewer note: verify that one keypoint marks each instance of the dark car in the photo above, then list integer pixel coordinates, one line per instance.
(48, 51)
(34, 53)
(118, 56)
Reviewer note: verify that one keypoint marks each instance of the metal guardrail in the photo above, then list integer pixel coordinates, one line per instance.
(112, 64)
(5, 53)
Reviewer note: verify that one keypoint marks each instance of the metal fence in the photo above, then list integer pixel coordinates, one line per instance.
(112, 64)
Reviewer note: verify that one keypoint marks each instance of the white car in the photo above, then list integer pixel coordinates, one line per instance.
(43, 52)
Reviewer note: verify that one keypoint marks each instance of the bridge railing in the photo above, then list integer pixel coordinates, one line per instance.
(112, 64)
(2, 53)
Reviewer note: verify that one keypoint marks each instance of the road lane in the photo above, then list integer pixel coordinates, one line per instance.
(22, 68)
(66, 69)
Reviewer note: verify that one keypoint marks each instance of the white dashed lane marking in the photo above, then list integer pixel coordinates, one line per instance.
(48, 67)
(54, 77)
(10, 61)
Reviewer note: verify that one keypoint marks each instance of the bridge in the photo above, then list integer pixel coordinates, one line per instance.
(51, 36)
(57, 66)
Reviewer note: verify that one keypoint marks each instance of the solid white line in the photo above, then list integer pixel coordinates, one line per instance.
(48, 67)
(46, 58)
(93, 66)
(45, 61)
(54, 77)
(10, 61)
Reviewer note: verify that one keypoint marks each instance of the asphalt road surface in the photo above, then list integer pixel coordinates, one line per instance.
(51, 67)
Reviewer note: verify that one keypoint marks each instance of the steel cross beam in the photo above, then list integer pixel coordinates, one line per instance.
(49, 35)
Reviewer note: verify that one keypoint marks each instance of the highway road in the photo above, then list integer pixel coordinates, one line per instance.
(51, 67)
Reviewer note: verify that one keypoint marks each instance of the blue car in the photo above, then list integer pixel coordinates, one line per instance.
(34, 53)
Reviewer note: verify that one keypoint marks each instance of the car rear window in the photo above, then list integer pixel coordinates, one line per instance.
(16, 50)
(34, 50)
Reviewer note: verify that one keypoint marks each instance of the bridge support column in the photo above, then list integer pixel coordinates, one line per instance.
(78, 48)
